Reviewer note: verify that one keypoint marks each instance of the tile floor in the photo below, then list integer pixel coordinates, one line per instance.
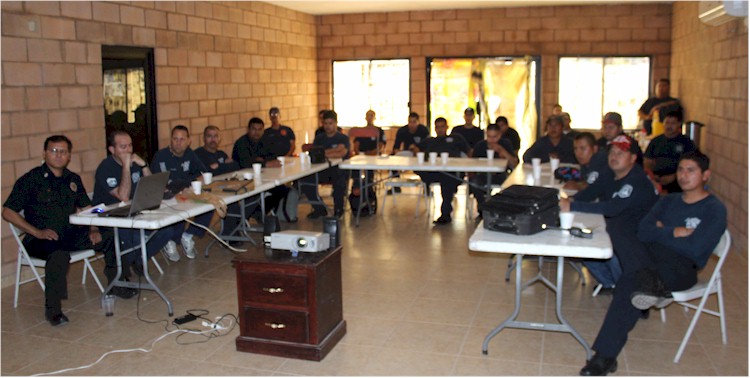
(416, 302)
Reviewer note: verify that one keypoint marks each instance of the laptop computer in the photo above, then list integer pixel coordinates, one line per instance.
(148, 195)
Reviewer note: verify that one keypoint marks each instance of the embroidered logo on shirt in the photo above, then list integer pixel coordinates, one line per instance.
(186, 166)
(163, 166)
(73, 187)
(592, 177)
(417, 139)
(135, 177)
(692, 222)
(283, 132)
(624, 192)
(221, 160)
(678, 148)
(449, 140)
(111, 182)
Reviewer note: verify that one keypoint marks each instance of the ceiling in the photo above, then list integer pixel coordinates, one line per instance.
(341, 6)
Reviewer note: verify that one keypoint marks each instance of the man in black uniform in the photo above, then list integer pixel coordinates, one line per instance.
(212, 157)
(624, 198)
(554, 144)
(454, 145)
(662, 102)
(183, 166)
(413, 133)
(279, 139)
(593, 161)
(471, 134)
(336, 147)
(47, 195)
(665, 150)
(503, 150)
(509, 133)
(115, 180)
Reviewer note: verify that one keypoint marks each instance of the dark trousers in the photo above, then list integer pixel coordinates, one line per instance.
(332, 175)
(448, 186)
(356, 176)
(203, 220)
(130, 238)
(56, 253)
(480, 180)
(676, 271)
(272, 200)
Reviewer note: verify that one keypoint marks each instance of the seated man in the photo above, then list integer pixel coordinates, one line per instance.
(212, 157)
(509, 133)
(593, 161)
(280, 139)
(369, 140)
(554, 144)
(624, 197)
(611, 128)
(471, 134)
(412, 133)
(665, 150)
(567, 130)
(454, 145)
(336, 146)
(184, 167)
(674, 241)
(47, 195)
(502, 148)
(115, 180)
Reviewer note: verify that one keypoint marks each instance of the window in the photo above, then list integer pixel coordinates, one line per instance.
(380, 85)
(592, 86)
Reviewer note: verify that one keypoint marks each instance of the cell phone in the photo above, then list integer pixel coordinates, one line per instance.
(585, 233)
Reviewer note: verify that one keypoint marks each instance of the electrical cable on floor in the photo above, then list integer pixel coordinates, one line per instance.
(187, 219)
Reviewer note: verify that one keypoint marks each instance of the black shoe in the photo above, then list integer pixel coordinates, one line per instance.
(644, 301)
(645, 314)
(124, 292)
(598, 365)
(317, 214)
(57, 320)
(389, 192)
(442, 220)
(606, 290)
(338, 213)
(397, 189)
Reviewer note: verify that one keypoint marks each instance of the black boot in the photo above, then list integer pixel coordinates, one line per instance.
(599, 365)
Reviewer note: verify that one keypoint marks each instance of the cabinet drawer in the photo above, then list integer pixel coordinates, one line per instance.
(275, 325)
(275, 289)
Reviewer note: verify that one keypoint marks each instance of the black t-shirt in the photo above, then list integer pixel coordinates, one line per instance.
(246, 152)
(47, 200)
(480, 149)
(219, 157)
(512, 135)
(337, 139)
(543, 147)
(182, 170)
(653, 101)
(107, 177)
(471, 135)
(404, 139)
(278, 142)
(666, 152)
(454, 145)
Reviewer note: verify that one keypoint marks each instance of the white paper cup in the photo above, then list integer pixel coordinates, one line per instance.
(433, 157)
(282, 160)
(420, 157)
(208, 177)
(554, 163)
(303, 158)
(490, 154)
(536, 162)
(566, 219)
(256, 168)
(196, 185)
(247, 175)
(537, 171)
(444, 157)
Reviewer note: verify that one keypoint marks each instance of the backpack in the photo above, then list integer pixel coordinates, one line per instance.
(369, 208)
(287, 209)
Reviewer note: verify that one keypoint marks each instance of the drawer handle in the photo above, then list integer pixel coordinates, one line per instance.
(273, 290)
(275, 326)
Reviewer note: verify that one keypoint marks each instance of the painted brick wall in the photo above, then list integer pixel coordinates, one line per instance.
(217, 62)
(709, 75)
(625, 29)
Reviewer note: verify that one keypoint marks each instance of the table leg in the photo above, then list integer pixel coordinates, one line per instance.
(558, 308)
(516, 309)
(151, 285)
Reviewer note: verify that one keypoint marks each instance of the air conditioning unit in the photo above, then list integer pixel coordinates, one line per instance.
(720, 12)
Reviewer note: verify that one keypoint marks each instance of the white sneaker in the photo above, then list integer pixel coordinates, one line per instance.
(188, 245)
(171, 251)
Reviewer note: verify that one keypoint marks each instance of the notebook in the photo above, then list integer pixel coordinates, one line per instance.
(148, 195)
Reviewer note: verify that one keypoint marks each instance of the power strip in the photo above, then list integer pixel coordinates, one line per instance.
(213, 325)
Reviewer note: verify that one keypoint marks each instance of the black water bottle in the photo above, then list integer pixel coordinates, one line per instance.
(270, 225)
(331, 227)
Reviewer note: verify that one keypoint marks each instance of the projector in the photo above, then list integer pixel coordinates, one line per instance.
(302, 241)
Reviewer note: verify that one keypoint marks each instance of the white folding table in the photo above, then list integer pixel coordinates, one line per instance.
(551, 243)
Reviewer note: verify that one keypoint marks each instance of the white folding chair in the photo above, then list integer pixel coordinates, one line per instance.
(33, 263)
(406, 181)
(702, 290)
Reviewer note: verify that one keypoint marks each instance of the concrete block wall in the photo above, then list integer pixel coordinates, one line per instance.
(216, 62)
(549, 32)
(709, 75)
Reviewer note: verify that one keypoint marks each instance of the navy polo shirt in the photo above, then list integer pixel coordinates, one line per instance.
(666, 152)
(471, 135)
(598, 167)
(278, 141)
(107, 177)
(543, 147)
(454, 145)
(480, 149)
(182, 169)
(219, 157)
(323, 140)
(370, 143)
(405, 138)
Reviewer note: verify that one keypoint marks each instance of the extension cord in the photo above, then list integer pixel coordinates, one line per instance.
(213, 325)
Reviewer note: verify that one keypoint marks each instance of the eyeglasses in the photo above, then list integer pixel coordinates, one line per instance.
(58, 151)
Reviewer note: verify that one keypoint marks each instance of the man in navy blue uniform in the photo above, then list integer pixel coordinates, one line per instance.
(413, 133)
(665, 150)
(624, 198)
(336, 146)
(503, 150)
(47, 195)
(471, 134)
(509, 133)
(661, 102)
(216, 160)
(183, 166)
(554, 144)
(454, 145)
(674, 241)
(115, 180)
(592, 160)
(279, 139)
(249, 148)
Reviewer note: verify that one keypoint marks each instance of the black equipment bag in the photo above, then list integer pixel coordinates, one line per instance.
(317, 154)
(368, 208)
(522, 210)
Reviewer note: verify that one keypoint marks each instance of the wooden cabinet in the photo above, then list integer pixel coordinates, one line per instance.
(289, 306)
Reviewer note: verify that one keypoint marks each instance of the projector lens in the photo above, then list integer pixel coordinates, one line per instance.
(301, 242)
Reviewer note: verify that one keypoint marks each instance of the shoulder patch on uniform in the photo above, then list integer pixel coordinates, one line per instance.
(592, 177)
(73, 186)
(624, 192)
(111, 182)
(692, 222)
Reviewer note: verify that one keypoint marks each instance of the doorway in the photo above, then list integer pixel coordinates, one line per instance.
(492, 86)
(130, 96)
